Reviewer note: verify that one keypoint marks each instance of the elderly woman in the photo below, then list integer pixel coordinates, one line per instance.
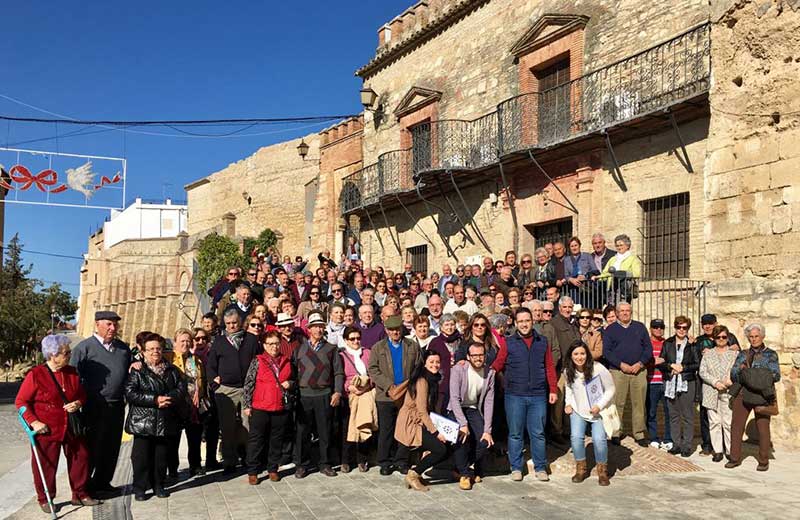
(680, 366)
(544, 274)
(715, 371)
(420, 334)
(156, 396)
(191, 366)
(359, 399)
(623, 262)
(335, 327)
(268, 377)
(756, 361)
(49, 393)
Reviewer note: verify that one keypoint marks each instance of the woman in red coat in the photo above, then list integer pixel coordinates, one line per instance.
(268, 377)
(46, 413)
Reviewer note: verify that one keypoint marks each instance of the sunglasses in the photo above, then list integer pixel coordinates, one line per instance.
(201, 338)
(481, 325)
(315, 293)
(336, 290)
(722, 337)
(354, 338)
(256, 325)
(682, 327)
(527, 261)
(584, 317)
(597, 319)
(234, 273)
(251, 274)
(528, 293)
(548, 311)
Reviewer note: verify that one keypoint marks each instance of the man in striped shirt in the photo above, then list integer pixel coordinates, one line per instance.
(655, 390)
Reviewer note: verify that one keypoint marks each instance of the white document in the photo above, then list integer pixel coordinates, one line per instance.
(446, 427)
(594, 391)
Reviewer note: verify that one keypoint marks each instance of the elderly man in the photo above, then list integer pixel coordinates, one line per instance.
(600, 253)
(548, 310)
(557, 260)
(337, 295)
(103, 362)
(436, 308)
(242, 304)
(371, 332)
(447, 276)
(387, 311)
(531, 384)
(320, 376)
(421, 301)
(368, 298)
(472, 405)
(460, 302)
(358, 285)
(489, 274)
(628, 350)
(506, 281)
(300, 288)
(391, 362)
(566, 334)
(227, 364)
(544, 328)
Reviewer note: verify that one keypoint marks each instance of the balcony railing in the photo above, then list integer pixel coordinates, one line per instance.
(650, 81)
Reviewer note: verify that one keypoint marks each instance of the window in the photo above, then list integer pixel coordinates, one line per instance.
(666, 237)
(551, 232)
(417, 256)
(554, 102)
(421, 149)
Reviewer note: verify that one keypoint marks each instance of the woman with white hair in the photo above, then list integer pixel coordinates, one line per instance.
(623, 262)
(49, 393)
(753, 370)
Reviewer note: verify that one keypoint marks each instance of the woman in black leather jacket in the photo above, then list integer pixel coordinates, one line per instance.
(680, 367)
(157, 399)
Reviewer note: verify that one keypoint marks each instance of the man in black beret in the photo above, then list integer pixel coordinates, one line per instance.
(103, 362)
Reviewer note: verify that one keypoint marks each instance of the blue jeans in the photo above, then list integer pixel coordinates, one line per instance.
(526, 412)
(655, 393)
(599, 439)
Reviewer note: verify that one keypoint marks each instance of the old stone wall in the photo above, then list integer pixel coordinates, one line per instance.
(265, 190)
(148, 282)
(752, 187)
(471, 65)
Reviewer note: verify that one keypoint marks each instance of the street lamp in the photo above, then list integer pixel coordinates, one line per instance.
(368, 98)
(302, 149)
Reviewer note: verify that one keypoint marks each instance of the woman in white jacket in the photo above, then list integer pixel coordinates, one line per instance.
(589, 389)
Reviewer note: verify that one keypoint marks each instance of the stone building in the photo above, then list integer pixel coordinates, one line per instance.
(499, 125)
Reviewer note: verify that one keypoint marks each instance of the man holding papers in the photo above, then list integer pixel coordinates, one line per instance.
(471, 404)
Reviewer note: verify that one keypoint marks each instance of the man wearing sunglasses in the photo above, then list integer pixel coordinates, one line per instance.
(337, 295)
(224, 286)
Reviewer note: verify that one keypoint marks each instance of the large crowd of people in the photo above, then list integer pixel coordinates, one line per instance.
(345, 365)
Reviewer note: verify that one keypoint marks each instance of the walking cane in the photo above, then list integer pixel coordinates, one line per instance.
(31, 437)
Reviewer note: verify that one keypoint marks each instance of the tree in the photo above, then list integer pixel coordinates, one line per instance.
(266, 242)
(25, 311)
(215, 255)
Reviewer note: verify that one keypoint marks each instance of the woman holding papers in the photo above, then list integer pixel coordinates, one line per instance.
(415, 428)
(589, 390)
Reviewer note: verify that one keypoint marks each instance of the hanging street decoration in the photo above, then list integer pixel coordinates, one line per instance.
(62, 179)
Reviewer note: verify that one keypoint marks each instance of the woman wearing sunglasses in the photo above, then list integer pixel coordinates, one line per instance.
(680, 377)
(589, 334)
(359, 403)
(715, 372)
(253, 325)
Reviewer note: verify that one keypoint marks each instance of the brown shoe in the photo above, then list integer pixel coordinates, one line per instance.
(345, 468)
(602, 475)
(363, 467)
(412, 481)
(465, 483)
(252, 480)
(274, 477)
(762, 467)
(580, 471)
(85, 501)
(45, 507)
(478, 479)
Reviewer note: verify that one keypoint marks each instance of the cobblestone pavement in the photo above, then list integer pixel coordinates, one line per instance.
(693, 488)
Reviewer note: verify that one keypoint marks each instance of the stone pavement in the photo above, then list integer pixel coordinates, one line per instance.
(673, 487)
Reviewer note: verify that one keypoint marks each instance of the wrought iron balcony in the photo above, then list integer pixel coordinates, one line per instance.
(645, 83)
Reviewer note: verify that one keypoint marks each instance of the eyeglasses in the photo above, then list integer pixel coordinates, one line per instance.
(336, 290)
(528, 293)
(314, 293)
(256, 325)
(479, 324)
(251, 274)
(584, 317)
(354, 338)
(201, 338)
(725, 338)
(682, 327)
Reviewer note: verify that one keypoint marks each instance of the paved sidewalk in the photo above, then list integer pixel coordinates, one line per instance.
(694, 488)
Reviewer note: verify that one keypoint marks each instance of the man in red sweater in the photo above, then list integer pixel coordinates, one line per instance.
(655, 390)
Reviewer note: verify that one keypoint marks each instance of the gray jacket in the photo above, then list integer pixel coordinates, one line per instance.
(459, 381)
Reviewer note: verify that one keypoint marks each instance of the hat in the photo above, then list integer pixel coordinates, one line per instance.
(657, 323)
(314, 318)
(284, 319)
(708, 319)
(393, 322)
(106, 315)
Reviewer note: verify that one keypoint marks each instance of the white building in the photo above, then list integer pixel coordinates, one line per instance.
(145, 220)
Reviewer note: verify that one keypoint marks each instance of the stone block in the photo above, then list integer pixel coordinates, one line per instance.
(785, 172)
(722, 160)
(738, 306)
(755, 151)
(778, 307)
(789, 144)
(791, 337)
(731, 288)
(781, 219)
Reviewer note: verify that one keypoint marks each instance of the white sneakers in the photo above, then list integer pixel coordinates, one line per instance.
(516, 476)
(655, 445)
(666, 446)
(541, 476)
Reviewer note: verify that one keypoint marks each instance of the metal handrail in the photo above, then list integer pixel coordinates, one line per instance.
(646, 82)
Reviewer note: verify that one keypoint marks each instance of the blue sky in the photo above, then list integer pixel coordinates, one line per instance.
(170, 60)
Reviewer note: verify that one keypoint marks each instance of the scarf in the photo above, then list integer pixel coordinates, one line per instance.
(159, 368)
(361, 368)
(333, 332)
(433, 387)
(619, 258)
(235, 338)
(452, 343)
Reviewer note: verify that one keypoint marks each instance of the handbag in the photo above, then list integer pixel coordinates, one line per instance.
(397, 393)
(76, 423)
(769, 408)
(288, 398)
(611, 422)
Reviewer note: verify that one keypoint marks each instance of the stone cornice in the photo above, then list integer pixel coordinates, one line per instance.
(532, 40)
(417, 38)
(197, 183)
(406, 106)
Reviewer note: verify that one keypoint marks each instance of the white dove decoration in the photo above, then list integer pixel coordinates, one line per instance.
(81, 179)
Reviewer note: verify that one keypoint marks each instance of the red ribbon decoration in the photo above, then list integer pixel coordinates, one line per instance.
(105, 180)
(42, 180)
